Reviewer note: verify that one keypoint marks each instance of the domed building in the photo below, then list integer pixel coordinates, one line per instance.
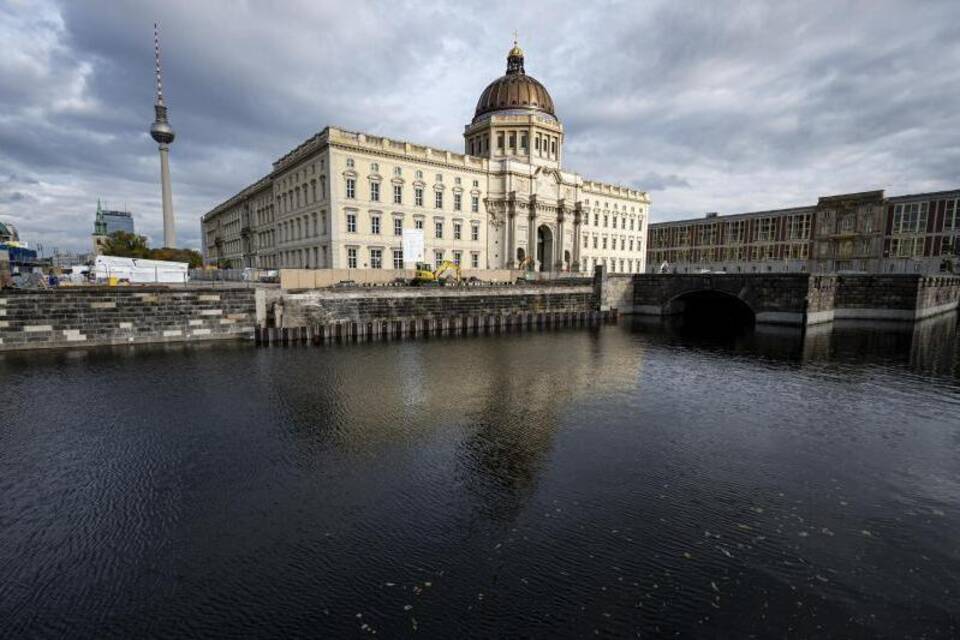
(345, 199)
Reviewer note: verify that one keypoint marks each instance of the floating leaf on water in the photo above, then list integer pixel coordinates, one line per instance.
(826, 532)
(866, 533)
(687, 555)
(714, 585)
(407, 607)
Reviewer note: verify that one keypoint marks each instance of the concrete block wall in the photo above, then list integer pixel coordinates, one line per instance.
(322, 307)
(90, 316)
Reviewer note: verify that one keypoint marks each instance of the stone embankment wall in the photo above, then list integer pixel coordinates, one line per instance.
(324, 307)
(89, 316)
(895, 296)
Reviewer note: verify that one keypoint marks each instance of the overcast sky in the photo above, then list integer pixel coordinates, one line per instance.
(709, 106)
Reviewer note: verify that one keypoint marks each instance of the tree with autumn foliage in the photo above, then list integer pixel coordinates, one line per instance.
(130, 245)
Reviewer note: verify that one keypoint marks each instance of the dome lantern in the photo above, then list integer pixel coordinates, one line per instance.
(515, 90)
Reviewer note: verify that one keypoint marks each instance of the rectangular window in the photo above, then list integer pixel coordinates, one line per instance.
(585, 241)
(594, 242)
(418, 197)
(376, 258)
(397, 194)
(438, 258)
(398, 258)
(351, 258)
(500, 141)
(604, 243)
(456, 230)
(475, 204)
(523, 141)
(475, 260)
(474, 232)
(457, 201)
(606, 219)
(375, 225)
(351, 223)
(456, 257)
(513, 141)
(418, 223)
(398, 226)
(438, 230)
(375, 191)
(951, 216)
(438, 200)
(351, 188)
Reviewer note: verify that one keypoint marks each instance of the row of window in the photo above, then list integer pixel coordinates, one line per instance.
(763, 230)
(795, 251)
(606, 205)
(614, 265)
(302, 195)
(438, 226)
(398, 172)
(597, 241)
(607, 218)
(438, 199)
(375, 258)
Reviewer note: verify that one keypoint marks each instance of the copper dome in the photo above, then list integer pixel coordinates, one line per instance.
(514, 90)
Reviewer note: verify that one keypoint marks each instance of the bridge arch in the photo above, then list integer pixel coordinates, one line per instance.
(711, 308)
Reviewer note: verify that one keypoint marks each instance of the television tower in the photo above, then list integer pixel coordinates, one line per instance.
(162, 132)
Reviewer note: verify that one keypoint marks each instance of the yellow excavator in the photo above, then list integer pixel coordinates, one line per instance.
(436, 277)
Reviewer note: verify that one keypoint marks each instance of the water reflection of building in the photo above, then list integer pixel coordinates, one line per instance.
(487, 410)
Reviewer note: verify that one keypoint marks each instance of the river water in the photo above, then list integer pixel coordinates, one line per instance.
(630, 481)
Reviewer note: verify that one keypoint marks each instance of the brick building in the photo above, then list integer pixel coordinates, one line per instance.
(865, 232)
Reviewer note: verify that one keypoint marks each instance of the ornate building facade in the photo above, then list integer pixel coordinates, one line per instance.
(863, 232)
(343, 199)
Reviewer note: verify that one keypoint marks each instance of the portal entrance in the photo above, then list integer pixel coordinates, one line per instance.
(545, 247)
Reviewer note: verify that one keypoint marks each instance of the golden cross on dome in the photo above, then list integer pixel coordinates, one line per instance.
(516, 36)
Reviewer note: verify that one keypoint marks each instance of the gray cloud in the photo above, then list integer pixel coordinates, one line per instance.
(724, 106)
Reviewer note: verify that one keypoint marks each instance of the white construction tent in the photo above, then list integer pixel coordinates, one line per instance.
(140, 270)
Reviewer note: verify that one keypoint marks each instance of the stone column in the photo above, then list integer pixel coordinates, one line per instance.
(510, 215)
(577, 240)
(532, 232)
(561, 229)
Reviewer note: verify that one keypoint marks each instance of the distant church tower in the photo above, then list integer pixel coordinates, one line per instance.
(162, 132)
(99, 231)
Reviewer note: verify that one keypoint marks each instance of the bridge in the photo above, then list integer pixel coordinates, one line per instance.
(797, 299)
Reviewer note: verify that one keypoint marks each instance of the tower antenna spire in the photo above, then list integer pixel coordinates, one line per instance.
(156, 57)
